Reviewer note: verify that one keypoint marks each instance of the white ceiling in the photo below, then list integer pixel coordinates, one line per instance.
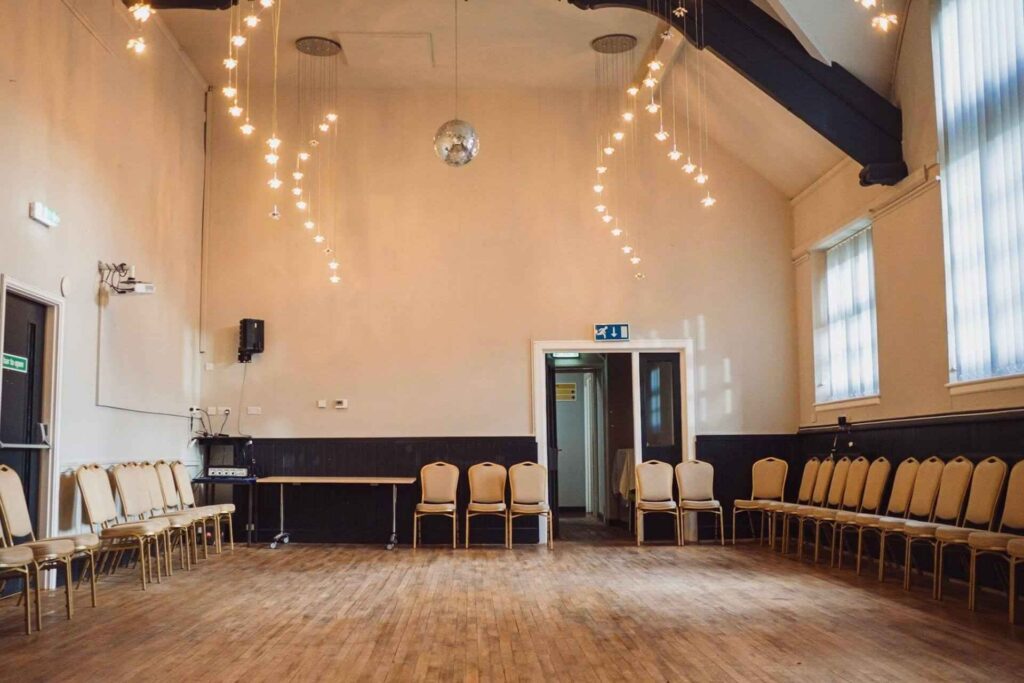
(546, 44)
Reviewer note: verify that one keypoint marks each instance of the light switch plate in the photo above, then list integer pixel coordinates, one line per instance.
(254, 410)
(212, 410)
(322, 403)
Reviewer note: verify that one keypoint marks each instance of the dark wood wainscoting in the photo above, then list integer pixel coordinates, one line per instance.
(362, 514)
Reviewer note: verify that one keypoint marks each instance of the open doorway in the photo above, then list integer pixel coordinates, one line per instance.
(606, 407)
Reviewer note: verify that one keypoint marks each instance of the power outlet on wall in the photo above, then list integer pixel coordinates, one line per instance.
(341, 403)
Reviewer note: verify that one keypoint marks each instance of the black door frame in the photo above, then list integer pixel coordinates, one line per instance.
(49, 459)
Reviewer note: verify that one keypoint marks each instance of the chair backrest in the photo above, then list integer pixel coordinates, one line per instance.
(874, 485)
(855, 480)
(653, 480)
(13, 508)
(696, 480)
(184, 484)
(769, 475)
(153, 487)
(1013, 508)
(926, 487)
(97, 496)
(822, 480)
(903, 487)
(439, 482)
(487, 483)
(838, 484)
(131, 488)
(528, 482)
(807, 480)
(167, 485)
(986, 485)
(956, 477)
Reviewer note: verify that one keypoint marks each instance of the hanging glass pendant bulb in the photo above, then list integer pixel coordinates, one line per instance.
(301, 205)
(675, 154)
(247, 128)
(303, 156)
(607, 218)
(333, 265)
(297, 191)
(335, 279)
(708, 201)
(229, 91)
(627, 116)
(456, 143)
(701, 178)
(230, 63)
(661, 135)
(252, 20)
(689, 167)
(616, 232)
(319, 239)
(632, 90)
(600, 208)
(598, 188)
(627, 249)
(634, 260)
(618, 135)
(235, 111)
(309, 225)
(274, 182)
(609, 150)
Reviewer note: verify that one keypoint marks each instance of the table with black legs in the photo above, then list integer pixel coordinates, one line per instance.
(394, 482)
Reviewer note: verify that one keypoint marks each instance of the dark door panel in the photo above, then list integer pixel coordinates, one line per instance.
(660, 407)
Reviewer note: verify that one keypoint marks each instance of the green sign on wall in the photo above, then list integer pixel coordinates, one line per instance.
(15, 363)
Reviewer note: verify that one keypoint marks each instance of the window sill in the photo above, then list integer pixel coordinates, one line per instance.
(978, 386)
(844, 403)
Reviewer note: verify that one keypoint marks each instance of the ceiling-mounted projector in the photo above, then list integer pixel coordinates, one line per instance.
(120, 278)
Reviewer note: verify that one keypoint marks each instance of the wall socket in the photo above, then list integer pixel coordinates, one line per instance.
(341, 403)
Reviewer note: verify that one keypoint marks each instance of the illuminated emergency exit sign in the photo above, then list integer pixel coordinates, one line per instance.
(610, 332)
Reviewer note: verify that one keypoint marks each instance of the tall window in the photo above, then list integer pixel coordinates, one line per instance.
(979, 73)
(845, 346)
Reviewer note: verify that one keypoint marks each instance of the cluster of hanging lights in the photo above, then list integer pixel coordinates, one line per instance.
(884, 20)
(141, 12)
(619, 97)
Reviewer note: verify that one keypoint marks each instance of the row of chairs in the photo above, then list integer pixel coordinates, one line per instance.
(528, 484)
(157, 508)
(944, 505)
(696, 482)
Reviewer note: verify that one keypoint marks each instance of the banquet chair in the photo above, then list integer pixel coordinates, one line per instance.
(769, 485)
(528, 484)
(1015, 551)
(182, 524)
(871, 501)
(16, 562)
(696, 482)
(853, 492)
(986, 485)
(778, 509)
(217, 515)
(135, 504)
(997, 543)
(487, 494)
(654, 495)
(172, 503)
(439, 483)
(822, 478)
(898, 506)
(809, 513)
(921, 507)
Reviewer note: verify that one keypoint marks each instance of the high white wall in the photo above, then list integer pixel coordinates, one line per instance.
(449, 274)
(909, 267)
(114, 143)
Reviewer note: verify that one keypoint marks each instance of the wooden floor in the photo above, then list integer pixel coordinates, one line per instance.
(606, 612)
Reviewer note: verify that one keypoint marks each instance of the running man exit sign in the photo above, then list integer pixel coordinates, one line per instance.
(611, 332)
(15, 363)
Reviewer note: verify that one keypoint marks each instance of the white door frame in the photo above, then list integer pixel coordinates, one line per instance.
(685, 348)
(53, 350)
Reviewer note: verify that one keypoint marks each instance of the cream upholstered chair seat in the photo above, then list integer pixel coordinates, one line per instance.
(435, 507)
(710, 504)
(991, 540)
(823, 513)
(131, 529)
(657, 505)
(17, 556)
(49, 548)
(757, 504)
(530, 508)
(892, 523)
(487, 507)
(1015, 548)
(846, 516)
(954, 534)
(85, 541)
(921, 529)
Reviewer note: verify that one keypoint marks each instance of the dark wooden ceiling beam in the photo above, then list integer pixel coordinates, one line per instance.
(830, 99)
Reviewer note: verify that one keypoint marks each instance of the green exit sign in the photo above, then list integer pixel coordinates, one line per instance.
(15, 363)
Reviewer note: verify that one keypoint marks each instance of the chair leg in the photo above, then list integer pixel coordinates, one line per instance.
(799, 539)
(908, 561)
(508, 530)
(466, 529)
(734, 526)
(26, 595)
(972, 580)
(551, 532)
(639, 526)
(937, 572)
(67, 588)
(817, 540)
(837, 531)
(39, 604)
(231, 531)
(721, 526)
(1013, 590)
(455, 530)
(679, 523)
(860, 546)
(881, 555)
(415, 529)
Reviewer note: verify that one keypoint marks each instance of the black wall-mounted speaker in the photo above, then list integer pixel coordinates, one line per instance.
(250, 339)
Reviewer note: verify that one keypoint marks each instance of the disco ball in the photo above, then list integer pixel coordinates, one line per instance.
(456, 143)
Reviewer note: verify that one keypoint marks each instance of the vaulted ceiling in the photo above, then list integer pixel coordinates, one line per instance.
(546, 44)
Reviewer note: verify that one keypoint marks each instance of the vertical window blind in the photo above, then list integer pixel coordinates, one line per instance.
(979, 74)
(846, 331)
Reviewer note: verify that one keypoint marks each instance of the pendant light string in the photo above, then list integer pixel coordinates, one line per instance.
(456, 58)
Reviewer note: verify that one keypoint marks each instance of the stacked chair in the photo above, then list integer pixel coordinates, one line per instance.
(696, 483)
(850, 503)
(778, 509)
(217, 515)
(898, 507)
(654, 495)
(921, 506)
(769, 486)
(789, 511)
(811, 514)
(45, 553)
(870, 502)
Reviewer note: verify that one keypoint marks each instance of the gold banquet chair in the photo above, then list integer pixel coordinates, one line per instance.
(48, 552)
(769, 475)
(135, 504)
(16, 562)
(117, 538)
(654, 495)
(172, 504)
(949, 505)
(217, 514)
(833, 500)
(696, 482)
(528, 483)
(898, 506)
(789, 512)
(439, 483)
(853, 492)
(487, 494)
(997, 543)
(1015, 551)
(986, 485)
(870, 502)
(779, 508)
(921, 507)
(182, 524)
